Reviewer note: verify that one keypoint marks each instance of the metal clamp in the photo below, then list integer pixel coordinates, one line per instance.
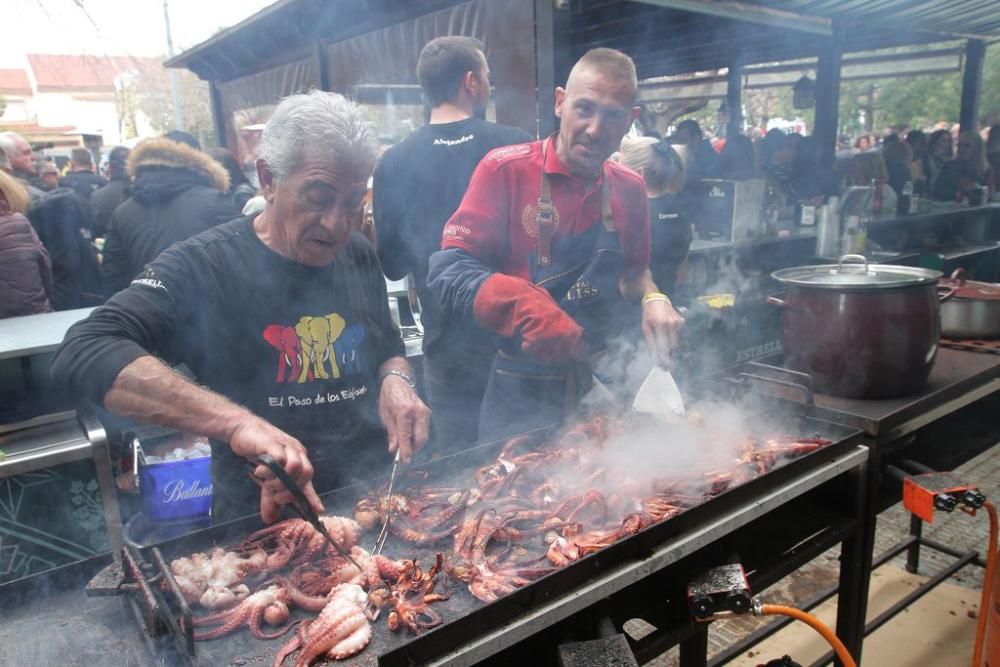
(182, 628)
(806, 391)
(799, 381)
(804, 379)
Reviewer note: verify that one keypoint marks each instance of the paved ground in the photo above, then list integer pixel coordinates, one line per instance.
(957, 530)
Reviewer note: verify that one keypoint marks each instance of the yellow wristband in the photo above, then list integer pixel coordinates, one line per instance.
(656, 296)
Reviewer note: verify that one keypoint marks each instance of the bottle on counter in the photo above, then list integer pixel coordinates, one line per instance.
(876, 198)
(807, 214)
(905, 199)
(770, 210)
(827, 231)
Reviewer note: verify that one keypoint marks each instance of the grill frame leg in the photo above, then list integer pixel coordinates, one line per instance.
(913, 551)
(694, 649)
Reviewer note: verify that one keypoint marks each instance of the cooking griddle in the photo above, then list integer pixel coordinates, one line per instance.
(467, 619)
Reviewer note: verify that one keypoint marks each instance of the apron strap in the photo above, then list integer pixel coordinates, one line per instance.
(545, 216)
(606, 217)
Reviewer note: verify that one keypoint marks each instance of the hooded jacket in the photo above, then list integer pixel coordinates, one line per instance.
(25, 271)
(60, 219)
(176, 193)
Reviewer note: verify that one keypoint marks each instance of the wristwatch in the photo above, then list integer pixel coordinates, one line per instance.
(397, 373)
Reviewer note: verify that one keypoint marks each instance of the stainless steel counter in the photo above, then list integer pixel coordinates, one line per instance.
(36, 334)
(700, 246)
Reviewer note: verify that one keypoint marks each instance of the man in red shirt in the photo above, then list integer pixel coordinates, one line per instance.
(549, 251)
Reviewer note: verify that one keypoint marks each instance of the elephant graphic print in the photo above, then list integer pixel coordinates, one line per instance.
(317, 347)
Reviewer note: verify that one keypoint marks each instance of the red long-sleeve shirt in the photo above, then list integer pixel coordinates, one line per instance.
(496, 219)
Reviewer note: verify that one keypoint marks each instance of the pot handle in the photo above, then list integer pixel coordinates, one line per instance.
(959, 276)
(854, 259)
(775, 301)
(945, 293)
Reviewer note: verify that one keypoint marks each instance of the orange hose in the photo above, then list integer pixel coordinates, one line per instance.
(814, 623)
(984, 602)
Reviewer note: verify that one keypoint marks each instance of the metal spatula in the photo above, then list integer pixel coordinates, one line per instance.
(659, 396)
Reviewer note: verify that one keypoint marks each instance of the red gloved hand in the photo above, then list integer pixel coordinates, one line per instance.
(510, 306)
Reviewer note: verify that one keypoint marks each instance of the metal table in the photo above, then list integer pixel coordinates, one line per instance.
(37, 334)
(958, 380)
(705, 246)
(59, 438)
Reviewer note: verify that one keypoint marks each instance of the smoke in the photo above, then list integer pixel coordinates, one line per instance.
(731, 279)
(712, 440)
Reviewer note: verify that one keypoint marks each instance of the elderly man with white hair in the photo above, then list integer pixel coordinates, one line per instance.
(19, 161)
(283, 320)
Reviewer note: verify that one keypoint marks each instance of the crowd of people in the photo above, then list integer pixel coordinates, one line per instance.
(90, 233)
(941, 165)
(93, 232)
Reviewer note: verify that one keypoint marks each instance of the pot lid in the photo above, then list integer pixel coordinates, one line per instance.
(855, 273)
(970, 289)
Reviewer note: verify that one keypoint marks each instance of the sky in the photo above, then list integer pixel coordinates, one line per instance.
(113, 27)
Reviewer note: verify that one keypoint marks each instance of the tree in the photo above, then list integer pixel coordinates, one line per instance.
(920, 101)
(148, 92)
(762, 104)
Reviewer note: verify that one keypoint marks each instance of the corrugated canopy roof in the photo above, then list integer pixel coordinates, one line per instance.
(287, 30)
(666, 37)
(663, 36)
(960, 18)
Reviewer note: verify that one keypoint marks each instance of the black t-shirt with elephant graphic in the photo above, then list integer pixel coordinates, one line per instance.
(299, 346)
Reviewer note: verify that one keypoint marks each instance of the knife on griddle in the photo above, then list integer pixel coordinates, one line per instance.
(301, 504)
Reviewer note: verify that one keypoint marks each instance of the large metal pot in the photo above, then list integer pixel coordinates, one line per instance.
(973, 312)
(860, 330)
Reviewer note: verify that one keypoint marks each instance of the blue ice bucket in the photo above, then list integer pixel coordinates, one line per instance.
(176, 490)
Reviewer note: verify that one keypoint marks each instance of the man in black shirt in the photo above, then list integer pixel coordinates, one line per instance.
(417, 185)
(283, 320)
(81, 177)
(105, 200)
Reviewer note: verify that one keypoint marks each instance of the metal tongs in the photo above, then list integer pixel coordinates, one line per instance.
(300, 503)
(384, 533)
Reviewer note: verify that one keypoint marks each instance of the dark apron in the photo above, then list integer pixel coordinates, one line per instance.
(581, 274)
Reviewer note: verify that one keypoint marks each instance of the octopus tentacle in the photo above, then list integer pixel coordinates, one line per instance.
(235, 621)
(305, 601)
(213, 619)
(418, 537)
(340, 630)
(353, 643)
(280, 632)
(293, 644)
(324, 637)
